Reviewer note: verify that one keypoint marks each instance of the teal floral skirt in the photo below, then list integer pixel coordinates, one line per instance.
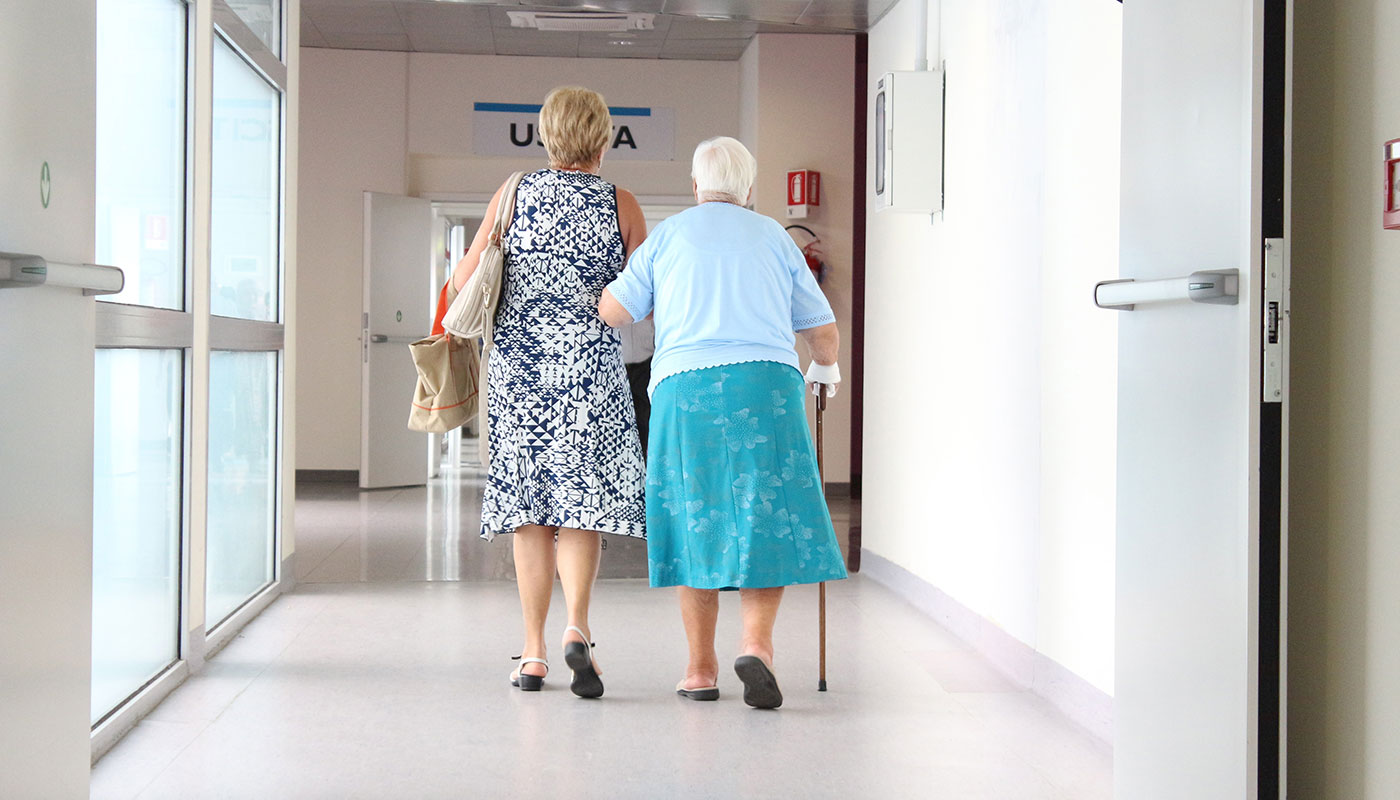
(733, 497)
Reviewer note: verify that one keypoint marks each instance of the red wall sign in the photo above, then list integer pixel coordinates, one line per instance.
(804, 190)
(804, 187)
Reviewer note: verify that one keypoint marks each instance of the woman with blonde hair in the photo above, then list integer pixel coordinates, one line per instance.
(733, 496)
(565, 460)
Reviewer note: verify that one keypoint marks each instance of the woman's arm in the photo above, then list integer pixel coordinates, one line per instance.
(630, 220)
(633, 225)
(823, 342)
(613, 312)
(467, 265)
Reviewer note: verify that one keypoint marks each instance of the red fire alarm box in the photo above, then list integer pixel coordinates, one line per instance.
(804, 190)
(1391, 216)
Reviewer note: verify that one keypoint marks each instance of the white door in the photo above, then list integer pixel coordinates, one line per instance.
(47, 333)
(1199, 446)
(398, 266)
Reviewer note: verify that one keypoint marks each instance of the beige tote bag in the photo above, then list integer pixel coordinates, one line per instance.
(447, 394)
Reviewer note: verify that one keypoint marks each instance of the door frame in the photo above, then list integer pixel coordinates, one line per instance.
(1275, 143)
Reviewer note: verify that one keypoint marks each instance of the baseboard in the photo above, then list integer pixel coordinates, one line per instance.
(1076, 698)
(328, 476)
(838, 489)
(106, 735)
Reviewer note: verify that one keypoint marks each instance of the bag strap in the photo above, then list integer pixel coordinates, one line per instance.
(505, 212)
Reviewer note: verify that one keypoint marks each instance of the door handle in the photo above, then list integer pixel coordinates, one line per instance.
(378, 338)
(381, 338)
(19, 269)
(1212, 286)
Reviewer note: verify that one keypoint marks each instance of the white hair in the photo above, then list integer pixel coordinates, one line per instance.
(724, 171)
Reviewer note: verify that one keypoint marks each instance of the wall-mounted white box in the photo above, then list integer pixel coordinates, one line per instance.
(909, 141)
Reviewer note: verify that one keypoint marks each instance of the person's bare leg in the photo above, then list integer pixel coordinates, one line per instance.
(699, 611)
(760, 608)
(754, 666)
(534, 577)
(579, 555)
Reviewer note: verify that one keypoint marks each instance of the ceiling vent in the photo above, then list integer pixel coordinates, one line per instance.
(586, 21)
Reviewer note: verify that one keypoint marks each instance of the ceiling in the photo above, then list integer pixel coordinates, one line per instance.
(708, 30)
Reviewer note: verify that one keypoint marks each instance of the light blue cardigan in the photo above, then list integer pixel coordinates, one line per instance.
(726, 285)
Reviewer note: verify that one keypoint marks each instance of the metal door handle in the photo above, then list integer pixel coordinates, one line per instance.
(381, 338)
(378, 338)
(1213, 286)
(19, 269)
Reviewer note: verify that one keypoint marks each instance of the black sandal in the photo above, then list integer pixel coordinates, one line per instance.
(528, 683)
(579, 657)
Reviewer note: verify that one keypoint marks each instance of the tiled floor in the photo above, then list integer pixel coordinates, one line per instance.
(384, 676)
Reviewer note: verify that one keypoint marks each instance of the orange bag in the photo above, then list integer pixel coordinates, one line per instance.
(443, 302)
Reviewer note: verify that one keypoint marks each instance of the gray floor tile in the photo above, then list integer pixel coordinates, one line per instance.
(383, 675)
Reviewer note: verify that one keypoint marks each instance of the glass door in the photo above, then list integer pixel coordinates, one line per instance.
(189, 386)
(143, 340)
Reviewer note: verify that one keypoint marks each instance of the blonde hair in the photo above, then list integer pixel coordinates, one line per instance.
(724, 171)
(575, 126)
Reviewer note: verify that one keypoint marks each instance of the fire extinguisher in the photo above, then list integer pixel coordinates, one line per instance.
(811, 250)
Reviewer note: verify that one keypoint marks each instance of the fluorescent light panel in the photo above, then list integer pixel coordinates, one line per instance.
(581, 21)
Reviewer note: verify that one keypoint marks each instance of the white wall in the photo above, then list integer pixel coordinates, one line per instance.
(800, 95)
(748, 95)
(401, 123)
(1344, 554)
(354, 139)
(1078, 348)
(990, 376)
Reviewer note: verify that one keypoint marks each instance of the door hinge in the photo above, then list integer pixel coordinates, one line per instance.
(1275, 318)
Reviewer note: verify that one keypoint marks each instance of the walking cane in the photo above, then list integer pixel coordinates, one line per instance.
(821, 589)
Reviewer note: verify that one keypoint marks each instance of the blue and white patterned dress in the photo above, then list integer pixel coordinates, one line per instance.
(563, 438)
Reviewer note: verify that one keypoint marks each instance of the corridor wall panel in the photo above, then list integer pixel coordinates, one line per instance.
(1344, 539)
(801, 114)
(353, 111)
(990, 375)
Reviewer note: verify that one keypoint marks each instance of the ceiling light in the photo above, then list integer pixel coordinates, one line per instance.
(575, 21)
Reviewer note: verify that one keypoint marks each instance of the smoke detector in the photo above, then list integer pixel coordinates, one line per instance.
(582, 21)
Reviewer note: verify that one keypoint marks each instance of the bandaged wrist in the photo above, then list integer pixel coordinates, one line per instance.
(828, 374)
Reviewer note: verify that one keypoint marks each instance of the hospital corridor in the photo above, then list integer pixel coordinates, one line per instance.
(368, 681)
(965, 399)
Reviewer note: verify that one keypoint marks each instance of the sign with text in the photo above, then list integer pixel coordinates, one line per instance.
(512, 129)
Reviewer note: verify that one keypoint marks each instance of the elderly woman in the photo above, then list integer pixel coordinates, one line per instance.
(733, 497)
(565, 460)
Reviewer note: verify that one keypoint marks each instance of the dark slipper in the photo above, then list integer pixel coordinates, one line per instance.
(698, 693)
(760, 685)
(579, 657)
